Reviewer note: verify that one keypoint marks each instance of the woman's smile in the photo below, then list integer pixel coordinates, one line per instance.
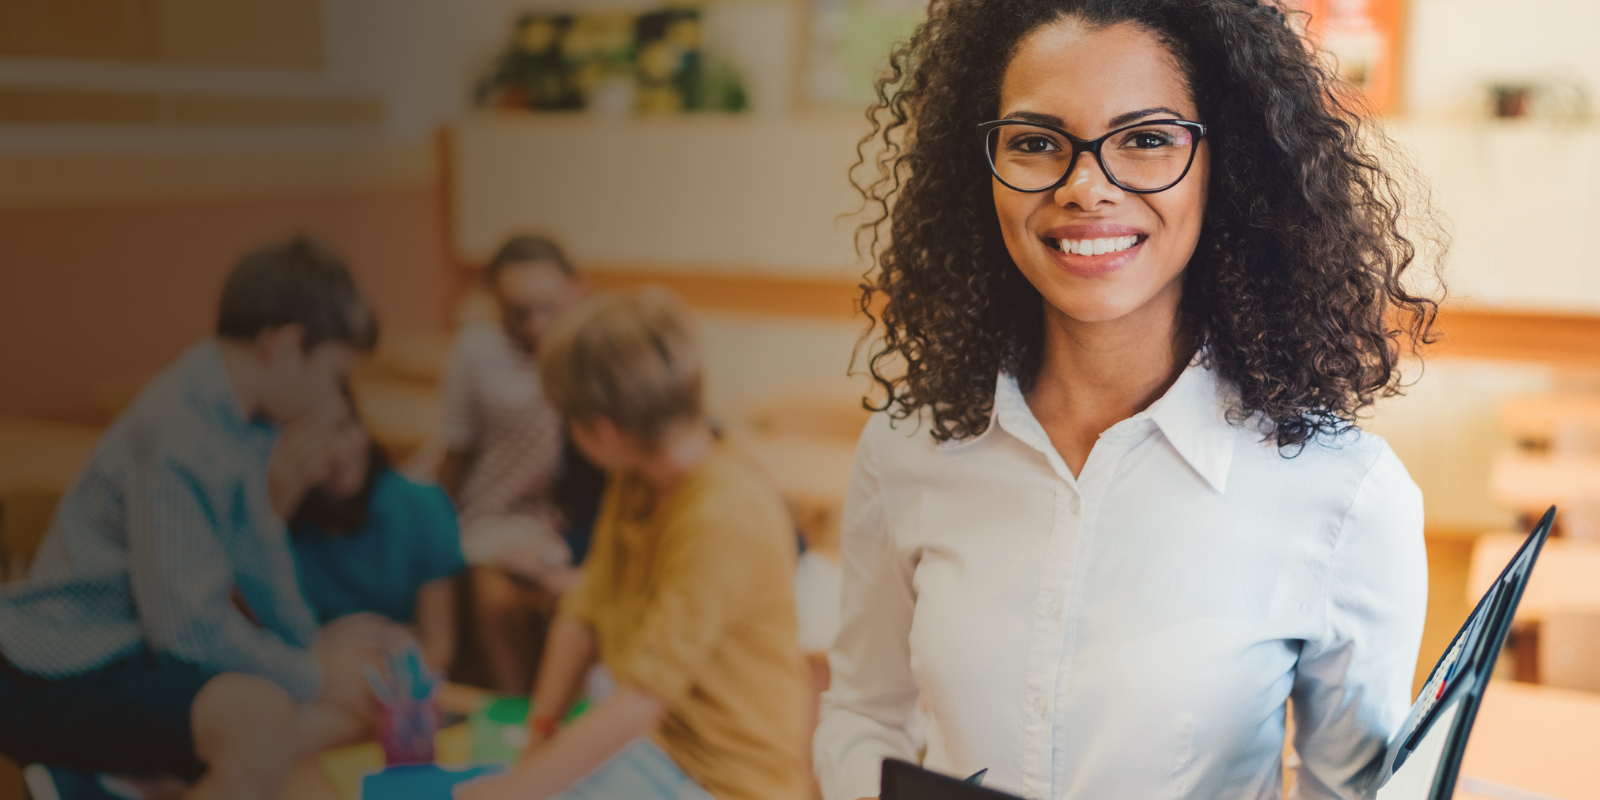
(1090, 250)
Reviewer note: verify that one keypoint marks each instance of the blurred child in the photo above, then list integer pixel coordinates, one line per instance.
(161, 631)
(687, 596)
(367, 539)
(503, 458)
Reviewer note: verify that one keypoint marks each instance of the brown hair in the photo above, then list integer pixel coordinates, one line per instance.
(526, 250)
(340, 516)
(628, 356)
(298, 282)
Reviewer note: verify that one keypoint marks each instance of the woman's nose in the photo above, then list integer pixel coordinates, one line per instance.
(1087, 185)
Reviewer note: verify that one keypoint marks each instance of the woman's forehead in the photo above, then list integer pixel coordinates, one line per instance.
(1090, 76)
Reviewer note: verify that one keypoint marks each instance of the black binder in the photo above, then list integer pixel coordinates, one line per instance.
(1423, 758)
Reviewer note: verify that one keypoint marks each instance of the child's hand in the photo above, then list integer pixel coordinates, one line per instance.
(342, 647)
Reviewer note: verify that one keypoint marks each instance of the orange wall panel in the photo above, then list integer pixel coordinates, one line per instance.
(96, 299)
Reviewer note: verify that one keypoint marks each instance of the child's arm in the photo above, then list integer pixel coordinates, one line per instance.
(604, 731)
(569, 651)
(436, 623)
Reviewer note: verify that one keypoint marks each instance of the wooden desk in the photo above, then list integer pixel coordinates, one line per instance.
(38, 454)
(39, 461)
(1538, 419)
(1567, 575)
(1537, 739)
(1532, 482)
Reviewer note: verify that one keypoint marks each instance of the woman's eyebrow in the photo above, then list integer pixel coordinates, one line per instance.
(1116, 122)
(1035, 117)
(1123, 119)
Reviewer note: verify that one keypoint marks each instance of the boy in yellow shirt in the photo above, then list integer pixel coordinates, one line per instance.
(688, 594)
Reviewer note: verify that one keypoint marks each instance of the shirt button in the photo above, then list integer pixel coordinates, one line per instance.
(1055, 610)
(1038, 706)
(1073, 505)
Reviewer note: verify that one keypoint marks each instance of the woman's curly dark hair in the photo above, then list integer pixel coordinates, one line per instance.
(1295, 285)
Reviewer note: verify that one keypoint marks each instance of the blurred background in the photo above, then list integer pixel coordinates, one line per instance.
(146, 144)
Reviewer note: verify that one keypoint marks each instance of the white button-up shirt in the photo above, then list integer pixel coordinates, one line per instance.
(1132, 632)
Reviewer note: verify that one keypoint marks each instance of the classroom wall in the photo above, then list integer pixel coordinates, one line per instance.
(1455, 47)
(96, 299)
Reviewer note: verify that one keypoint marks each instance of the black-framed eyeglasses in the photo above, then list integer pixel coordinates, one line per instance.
(1144, 158)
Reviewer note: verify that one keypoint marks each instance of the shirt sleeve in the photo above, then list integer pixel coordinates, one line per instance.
(183, 581)
(1352, 688)
(458, 426)
(869, 712)
(706, 561)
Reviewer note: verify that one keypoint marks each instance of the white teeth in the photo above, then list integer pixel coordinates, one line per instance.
(1095, 247)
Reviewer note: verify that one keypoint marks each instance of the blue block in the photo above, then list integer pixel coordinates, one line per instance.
(419, 781)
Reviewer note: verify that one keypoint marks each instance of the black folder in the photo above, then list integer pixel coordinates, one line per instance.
(1423, 758)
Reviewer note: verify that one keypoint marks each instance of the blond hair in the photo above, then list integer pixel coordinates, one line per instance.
(628, 356)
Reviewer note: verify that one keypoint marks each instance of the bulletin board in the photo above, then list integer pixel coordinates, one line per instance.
(1365, 38)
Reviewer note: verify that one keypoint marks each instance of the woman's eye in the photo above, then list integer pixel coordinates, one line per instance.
(1147, 140)
(1033, 144)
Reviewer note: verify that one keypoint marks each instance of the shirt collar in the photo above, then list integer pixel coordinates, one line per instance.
(1192, 415)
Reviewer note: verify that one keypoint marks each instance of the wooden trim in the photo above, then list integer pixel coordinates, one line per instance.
(53, 180)
(259, 33)
(1464, 332)
(740, 292)
(51, 106)
(1563, 339)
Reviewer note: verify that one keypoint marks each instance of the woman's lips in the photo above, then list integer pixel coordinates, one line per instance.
(1092, 266)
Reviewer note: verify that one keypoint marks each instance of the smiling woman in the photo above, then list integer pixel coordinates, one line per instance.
(1137, 262)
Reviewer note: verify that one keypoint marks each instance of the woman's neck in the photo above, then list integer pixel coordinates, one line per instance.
(1096, 374)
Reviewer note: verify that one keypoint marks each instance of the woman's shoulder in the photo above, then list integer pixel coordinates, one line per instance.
(1346, 467)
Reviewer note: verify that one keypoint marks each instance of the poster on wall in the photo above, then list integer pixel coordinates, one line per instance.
(847, 45)
(1363, 37)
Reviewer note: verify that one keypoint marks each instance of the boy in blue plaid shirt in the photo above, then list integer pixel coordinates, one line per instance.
(161, 630)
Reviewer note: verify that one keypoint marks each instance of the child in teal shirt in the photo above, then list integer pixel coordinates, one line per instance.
(368, 539)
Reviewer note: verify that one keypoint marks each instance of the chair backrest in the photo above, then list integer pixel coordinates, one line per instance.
(24, 518)
(1569, 649)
